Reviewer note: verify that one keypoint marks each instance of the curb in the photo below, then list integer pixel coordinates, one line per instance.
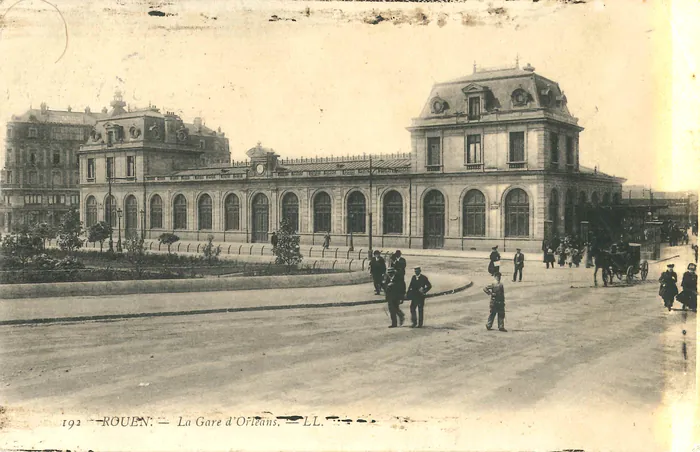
(214, 311)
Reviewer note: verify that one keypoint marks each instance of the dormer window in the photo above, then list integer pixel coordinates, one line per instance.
(474, 108)
(520, 97)
(33, 132)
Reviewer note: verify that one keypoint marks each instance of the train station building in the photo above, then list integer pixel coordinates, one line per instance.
(494, 160)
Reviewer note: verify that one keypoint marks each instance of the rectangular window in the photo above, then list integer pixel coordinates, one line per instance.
(110, 167)
(32, 199)
(517, 147)
(473, 148)
(9, 177)
(33, 132)
(75, 199)
(434, 151)
(10, 132)
(202, 144)
(474, 108)
(570, 151)
(91, 169)
(129, 166)
(56, 158)
(554, 148)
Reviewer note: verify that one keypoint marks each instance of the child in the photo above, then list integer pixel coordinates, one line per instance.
(497, 304)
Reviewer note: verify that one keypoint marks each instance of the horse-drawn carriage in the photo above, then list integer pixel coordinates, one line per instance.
(622, 262)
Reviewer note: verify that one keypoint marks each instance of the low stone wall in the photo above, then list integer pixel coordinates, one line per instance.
(12, 291)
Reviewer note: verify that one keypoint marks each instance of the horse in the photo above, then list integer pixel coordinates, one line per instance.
(602, 260)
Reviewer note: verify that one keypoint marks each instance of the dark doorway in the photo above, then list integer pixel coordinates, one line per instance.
(261, 210)
(434, 220)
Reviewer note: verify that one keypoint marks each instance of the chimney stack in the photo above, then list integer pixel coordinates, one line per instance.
(198, 124)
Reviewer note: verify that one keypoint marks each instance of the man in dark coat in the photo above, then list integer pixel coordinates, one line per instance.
(416, 293)
(399, 264)
(494, 261)
(273, 240)
(377, 268)
(518, 263)
(668, 289)
(394, 289)
(689, 296)
(497, 304)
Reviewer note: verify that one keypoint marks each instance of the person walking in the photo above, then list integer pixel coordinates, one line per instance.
(399, 264)
(326, 240)
(518, 263)
(494, 261)
(274, 240)
(549, 260)
(419, 286)
(394, 290)
(497, 305)
(689, 296)
(377, 268)
(668, 289)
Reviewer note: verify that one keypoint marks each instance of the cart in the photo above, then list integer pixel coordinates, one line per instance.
(628, 264)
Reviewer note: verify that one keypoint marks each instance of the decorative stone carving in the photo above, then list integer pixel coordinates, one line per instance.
(135, 132)
(438, 105)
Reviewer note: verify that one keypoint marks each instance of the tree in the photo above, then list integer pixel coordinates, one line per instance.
(211, 252)
(19, 248)
(99, 232)
(69, 231)
(44, 231)
(168, 239)
(287, 250)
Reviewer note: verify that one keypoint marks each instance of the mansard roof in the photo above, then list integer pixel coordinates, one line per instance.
(501, 88)
(47, 116)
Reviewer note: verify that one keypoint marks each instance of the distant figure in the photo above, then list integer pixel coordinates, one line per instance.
(695, 248)
(689, 296)
(273, 240)
(416, 293)
(668, 289)
(497, 305)
(377, 268)
(394, 291)
(549, 258)
(518, 264)
(494, 261)
(326, 240)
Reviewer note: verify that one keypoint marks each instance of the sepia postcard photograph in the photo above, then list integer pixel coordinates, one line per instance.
(349, 225)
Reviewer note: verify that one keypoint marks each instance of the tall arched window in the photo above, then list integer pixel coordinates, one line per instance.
(111, 211)
(393, 213)
(131, 209)
(474, 214)
(322, 212)
(290, 210)
(232, 213)
(554, 210)
(204, 212)
(156, 212)
(356, 212)
(90, 211)
(582, 209)
(594, 199)
(180, 212)
(606, 199)
(569, 206)
(517, 214)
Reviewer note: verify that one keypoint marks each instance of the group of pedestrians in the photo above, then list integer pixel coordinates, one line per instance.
(391, 279)
(668, 290)
(567, 252)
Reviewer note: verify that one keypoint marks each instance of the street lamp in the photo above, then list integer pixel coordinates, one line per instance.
(119, 230)
(350, 226)
(143, 222)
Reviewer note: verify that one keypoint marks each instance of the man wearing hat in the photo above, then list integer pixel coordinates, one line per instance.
(416, 293)
(668, 289)
(399, 264)
(519, 263)
(494, 261)
(394, 291)
(377, 268)
(689, 296)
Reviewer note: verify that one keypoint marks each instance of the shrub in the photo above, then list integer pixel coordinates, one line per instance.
(69, 231)
(210, 252)
(19, 248)
(135, 253)
(44, 231)
(287, 251)
(99, 232)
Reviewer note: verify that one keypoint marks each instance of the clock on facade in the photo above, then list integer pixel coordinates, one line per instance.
(260, 168)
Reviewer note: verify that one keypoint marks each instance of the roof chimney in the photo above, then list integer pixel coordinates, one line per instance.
(529, 68)
(87, 110)
(44, 108)
(197, 123)
(70, 109)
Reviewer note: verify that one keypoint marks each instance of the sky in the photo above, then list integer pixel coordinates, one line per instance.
(328, 83)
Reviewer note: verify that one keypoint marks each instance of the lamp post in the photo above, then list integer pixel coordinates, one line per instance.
(350, 226)
(119, 230)
(109, 207)
(143, 223)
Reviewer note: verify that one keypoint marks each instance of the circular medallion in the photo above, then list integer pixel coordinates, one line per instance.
(260, 168)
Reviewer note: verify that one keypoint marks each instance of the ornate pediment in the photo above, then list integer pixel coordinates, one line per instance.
(474, 88)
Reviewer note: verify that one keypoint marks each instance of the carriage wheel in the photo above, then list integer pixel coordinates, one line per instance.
(630, 274)
(645, 270)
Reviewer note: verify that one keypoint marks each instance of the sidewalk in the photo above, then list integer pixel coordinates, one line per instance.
(48, 310)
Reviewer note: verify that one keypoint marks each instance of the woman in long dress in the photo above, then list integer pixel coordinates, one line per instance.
(668, 289)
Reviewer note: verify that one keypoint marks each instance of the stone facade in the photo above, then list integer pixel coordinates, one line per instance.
(494, 160)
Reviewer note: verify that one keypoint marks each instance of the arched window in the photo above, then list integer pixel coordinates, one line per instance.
(131, 209)
(606, 199)
(111, 211)
(554, 210)
(204, 212)
(569, 206)
(594, 199)
(180, 212)
(582, 209)
(356, 212)
(290, 210)
(517, 214)
(56, 179)
(616, 198)
(393, 213)
(156, 212)
(474, 214)
(90, 211)
(322, 212)
(232, 212)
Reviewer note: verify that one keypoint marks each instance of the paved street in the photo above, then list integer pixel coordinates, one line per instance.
(579, 367)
